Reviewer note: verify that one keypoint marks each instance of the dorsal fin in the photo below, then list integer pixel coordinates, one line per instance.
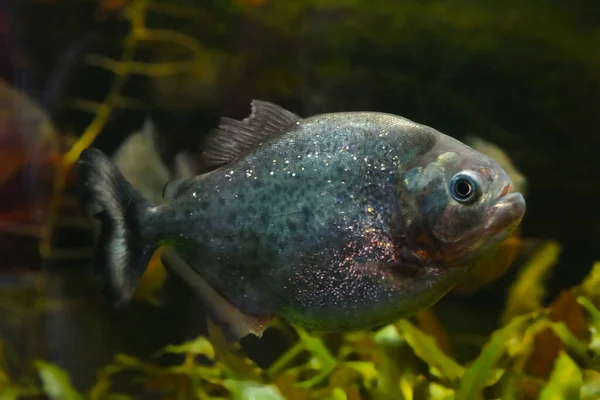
(236, 137)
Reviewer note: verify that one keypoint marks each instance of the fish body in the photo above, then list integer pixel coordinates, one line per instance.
(335, 222)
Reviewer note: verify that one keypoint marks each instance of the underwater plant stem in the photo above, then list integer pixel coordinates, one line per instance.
(140, 68)
(137, 14)
(316, 348)
(169, 36)
(177, 11)
(92, 107)
(285, 359)
(527, 292)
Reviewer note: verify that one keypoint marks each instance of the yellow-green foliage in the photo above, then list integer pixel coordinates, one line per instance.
(398, 361)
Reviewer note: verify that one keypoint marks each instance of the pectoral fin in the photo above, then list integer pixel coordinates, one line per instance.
(234, 324)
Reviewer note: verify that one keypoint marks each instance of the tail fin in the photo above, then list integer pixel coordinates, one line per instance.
(121, 255)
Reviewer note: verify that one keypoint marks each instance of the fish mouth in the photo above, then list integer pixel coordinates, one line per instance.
(507, 213)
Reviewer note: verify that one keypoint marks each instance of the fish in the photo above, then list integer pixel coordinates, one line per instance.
(335, 222)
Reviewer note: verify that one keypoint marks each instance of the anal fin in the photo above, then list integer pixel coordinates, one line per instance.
(234, 324)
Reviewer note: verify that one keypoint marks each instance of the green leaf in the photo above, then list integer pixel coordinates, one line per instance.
(475, 378)
(388, 337)
(395, 367)
(571, 341)
(591, 309)
(565, 381)
(320, 360)
(56, 383)
(591, 284)
(527, 292)
(439, 392)
(250, 390)
(100, 388)
(338, 394)
(17, 392)
(590, 390)
(367, 370)
(10, 393)
(594, 326)
(198, 346)
(211, 374)
(426, 348)
(117, 396)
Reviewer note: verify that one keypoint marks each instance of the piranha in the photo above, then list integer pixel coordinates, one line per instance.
(335, 222)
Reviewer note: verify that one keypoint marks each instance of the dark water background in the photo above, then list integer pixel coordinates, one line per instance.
(523, 75)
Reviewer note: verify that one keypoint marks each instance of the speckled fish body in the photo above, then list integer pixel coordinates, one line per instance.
(335, 222)
(292, 228)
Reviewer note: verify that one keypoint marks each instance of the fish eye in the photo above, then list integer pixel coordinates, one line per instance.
(464, 188)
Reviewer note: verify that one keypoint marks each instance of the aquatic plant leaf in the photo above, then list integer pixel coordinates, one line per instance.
(396, 364)
(231, 356)
(116, 396)
(286, 382)
(519, 347)
(388, 336)
(358, 346)
(527, 292)
(594, 323)
(250, 390)
(522, 347)
(429, 323)
(591, 388)
(565, 381)
(100, 389)
(198, 346)
(56, 382)
(427, 349)
(439, 392)
(476, 377)
(547, 345)
(571, 342)
(321, 360)
(338, 394)
(591, 284)
(211, 374)
(368, 371)
(401, 367)
(356, 377)
(10, 393)
(103, 384)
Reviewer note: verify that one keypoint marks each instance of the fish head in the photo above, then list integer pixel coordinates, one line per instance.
(457, 203)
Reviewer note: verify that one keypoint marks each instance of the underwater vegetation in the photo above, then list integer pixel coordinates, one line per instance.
(535, 352)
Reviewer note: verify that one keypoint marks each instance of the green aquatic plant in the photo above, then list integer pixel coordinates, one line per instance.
(550, 352)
